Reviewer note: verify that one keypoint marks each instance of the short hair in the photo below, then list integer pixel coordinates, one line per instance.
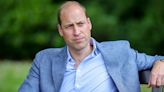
(67, 3)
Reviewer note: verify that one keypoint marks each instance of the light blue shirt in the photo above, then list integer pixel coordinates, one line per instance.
(90, 76)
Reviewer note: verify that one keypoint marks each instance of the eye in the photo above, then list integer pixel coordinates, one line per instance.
(80, 24)
(68, 26)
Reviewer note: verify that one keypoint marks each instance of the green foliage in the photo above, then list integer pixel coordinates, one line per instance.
(140, 22)
(27, 26)
(30, 25)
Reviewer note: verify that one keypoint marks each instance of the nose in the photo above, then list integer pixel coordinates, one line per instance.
(76, 31)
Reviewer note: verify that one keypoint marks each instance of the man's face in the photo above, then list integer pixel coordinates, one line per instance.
(75, 28)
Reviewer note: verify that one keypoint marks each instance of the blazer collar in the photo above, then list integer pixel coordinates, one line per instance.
(58, 68)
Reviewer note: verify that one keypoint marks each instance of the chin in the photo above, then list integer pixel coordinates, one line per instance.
(81, 47)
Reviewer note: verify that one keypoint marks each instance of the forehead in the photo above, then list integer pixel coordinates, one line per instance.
(72, 13)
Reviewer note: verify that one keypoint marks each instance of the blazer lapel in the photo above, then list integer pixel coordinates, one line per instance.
(58, 68)
(112, 65)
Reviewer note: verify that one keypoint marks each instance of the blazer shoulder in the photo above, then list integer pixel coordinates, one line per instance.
(118, 43)
(47, 55)
(49, 51)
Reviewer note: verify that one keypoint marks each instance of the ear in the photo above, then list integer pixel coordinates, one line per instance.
(89, 22)
(60, 30)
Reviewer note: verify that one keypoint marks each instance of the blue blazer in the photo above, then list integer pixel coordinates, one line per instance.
(121, 61)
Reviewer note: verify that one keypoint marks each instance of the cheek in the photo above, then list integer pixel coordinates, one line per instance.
(66, 35)
(88, 30)
(87, 33)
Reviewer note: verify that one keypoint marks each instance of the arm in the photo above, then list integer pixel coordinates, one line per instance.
(156, 63)
(147, 62)
(157, 74)
(31, 84)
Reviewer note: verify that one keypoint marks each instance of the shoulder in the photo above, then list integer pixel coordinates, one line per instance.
(120, 46)
(46, 56)
(50, 52)
(118, 43)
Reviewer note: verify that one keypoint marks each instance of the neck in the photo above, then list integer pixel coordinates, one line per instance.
(79, 55)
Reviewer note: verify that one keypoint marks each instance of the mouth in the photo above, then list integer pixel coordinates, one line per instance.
(78, 40)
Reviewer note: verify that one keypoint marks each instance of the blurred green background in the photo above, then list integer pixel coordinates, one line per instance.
(28, 26)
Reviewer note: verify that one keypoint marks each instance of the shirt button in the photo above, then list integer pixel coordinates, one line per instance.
(77, 86)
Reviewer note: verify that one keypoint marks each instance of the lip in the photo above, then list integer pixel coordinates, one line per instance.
(78, 40)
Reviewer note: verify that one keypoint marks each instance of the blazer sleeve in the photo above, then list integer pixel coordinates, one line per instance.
(143, 60)
(31, 83)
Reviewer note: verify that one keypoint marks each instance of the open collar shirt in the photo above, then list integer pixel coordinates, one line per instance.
(90, 75)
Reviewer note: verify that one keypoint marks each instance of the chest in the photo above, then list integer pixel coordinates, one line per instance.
(91, 75)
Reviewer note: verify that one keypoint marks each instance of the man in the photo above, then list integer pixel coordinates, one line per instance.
(84, 65)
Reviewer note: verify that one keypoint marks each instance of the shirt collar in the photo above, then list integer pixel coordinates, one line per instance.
(92, 54)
